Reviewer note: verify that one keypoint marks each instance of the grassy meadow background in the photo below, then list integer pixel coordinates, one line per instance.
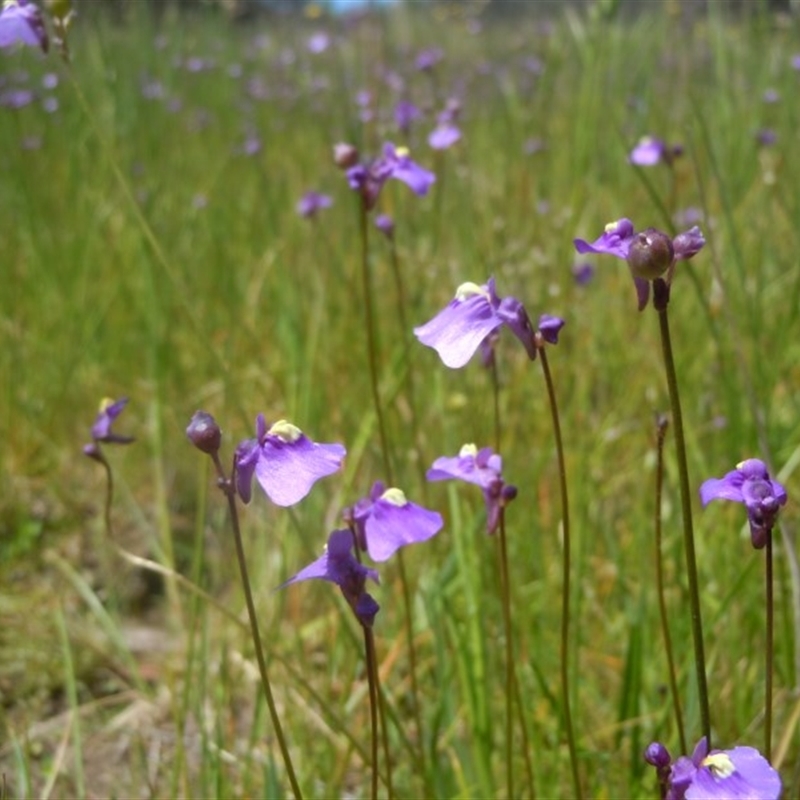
(151, 249)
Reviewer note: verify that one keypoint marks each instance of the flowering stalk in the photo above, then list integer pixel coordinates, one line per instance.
(376, 401)
(204, 433)
(770, 636)
(565, 590)
(228, 487)
(661, 303)
(372, 678)
(751, 485)
(512, 683)
(661, 432)
(385, 224)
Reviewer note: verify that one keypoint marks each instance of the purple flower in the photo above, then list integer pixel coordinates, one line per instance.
(766, 137)
(385, 224)
(457, 331)
(649, 253)
(21, 22)
(650, 150)
(444, 135)
(394, 163)
(338, 565)
(583, 273)
(750, 484)
(101, 430)
(795, 62)
(286, 463)
(427, 59)
(483, 468)
(312, 202)
(740, 773)
(318, 42)
(405, 112)
(16, 98)
(385, 521)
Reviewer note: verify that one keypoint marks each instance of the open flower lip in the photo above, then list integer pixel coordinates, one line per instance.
(284, 461)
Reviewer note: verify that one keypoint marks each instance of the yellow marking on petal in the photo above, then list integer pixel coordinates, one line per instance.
(106, 403)
(720, 764)
(286, 431)
(469, 289)
(468, 450)
(741, 463)
(395, 496)
(402, 152)
(612, 226)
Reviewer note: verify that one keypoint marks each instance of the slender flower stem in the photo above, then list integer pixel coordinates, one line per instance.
(372, 357)
(565, 597)
(228, 488)
(512, 683)
(661, 303)
(409, 373)
(661, 432)
(372, 677)
(371, 337)
(768, 670)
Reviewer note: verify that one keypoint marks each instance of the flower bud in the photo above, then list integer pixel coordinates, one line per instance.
(657, 755)
(385, 224)
(650, 254)
(204, 433)
(345, 155)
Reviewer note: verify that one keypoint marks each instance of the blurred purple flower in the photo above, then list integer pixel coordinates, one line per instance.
(650, 151)
(649, 253)
(457, 331)
(483, 468)
(405, 112)
(740, 773)
(102, 428)
(16, 98)
(22, 23)
(751, 485)
(766, 137)
(318, 42)
(49, 80)
(394, 163)
(427, 59)
(385, 224)
(338, 565)
(583, 273)
(251, 145)
(285, 462)
(385, 521)
(795, 62)
(771, 96)
(444, 135)
(312, 202)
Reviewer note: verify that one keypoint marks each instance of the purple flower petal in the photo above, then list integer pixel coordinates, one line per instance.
(457, 331)
(443, 136)
(101, 429)
(22, 23)
(615, 241)
(290, 464)
(648, 152)
(394, 522)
